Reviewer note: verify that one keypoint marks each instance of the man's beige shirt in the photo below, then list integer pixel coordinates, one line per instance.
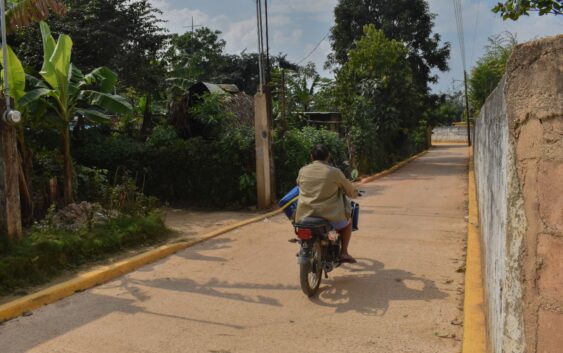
(321, 192)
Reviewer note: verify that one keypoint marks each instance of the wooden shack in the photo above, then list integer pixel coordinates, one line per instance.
(236, 101)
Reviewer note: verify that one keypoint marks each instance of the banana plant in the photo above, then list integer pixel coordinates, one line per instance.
(17, 82)
(16, 74)
(67, 95)
(22, 13)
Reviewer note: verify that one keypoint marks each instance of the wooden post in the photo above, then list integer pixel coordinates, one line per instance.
(263, 160)
(467, 109)
(10, 211)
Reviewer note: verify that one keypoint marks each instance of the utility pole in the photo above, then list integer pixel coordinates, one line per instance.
(467, 109)
(270, 104)
(263, 126)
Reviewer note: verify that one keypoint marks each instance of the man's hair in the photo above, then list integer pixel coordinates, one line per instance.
(320, 153)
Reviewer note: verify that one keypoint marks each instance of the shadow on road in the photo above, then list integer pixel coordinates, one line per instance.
(213, 287)
(370, 288)
(76, 316)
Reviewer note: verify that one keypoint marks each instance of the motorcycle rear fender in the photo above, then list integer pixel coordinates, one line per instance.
(304, 255)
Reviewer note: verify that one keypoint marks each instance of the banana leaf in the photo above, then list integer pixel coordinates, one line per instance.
(16, 74)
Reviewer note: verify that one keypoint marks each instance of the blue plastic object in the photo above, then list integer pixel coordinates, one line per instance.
(355, 216)
(292, 207)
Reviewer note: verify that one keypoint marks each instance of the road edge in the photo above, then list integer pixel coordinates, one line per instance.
(105, 274)
(474, 323)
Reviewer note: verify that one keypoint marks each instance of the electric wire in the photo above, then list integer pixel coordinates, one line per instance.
(458, 11)
(315, 48)
(475, 32)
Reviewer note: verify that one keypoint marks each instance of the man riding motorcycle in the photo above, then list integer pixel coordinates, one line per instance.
(322, 193)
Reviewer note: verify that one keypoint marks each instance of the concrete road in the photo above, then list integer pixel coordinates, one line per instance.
(240, 292)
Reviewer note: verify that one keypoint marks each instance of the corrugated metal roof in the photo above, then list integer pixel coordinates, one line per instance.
(222, 88)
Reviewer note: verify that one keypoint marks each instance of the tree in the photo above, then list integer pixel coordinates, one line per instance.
(513, 9)
(448, 108)
(64, 95)
(377, 97)
(196, 55)
(127, 36)
(303, 84)
(490, 68)
(407, 21)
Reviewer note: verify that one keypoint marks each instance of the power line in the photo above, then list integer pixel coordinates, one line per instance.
(458, 11)
(475, 31)
(315, 48)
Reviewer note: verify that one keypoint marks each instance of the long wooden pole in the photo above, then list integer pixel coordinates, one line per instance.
(467, 109)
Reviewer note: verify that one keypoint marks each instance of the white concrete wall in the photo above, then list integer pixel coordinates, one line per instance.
(495, 172)
(449, 134)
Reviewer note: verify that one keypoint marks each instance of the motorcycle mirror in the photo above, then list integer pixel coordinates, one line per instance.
(354, 174)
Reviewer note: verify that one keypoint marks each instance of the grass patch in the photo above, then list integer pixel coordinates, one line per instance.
(45, 253)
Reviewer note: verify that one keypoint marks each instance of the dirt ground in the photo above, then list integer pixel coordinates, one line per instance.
(239, 293)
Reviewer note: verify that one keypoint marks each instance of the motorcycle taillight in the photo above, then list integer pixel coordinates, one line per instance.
(304, 233)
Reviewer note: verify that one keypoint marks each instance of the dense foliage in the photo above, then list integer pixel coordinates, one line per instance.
(407, 21)
(513, 9)
(449, 108)
(46, 250)
(490, 68)
(380, 104)
(293, 152)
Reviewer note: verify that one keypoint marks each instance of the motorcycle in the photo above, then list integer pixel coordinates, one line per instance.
(320, 244)
(320, 250)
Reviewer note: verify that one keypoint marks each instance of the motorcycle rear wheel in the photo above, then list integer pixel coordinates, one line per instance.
(310, 273)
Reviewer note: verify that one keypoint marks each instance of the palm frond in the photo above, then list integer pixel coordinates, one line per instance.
(23, 13)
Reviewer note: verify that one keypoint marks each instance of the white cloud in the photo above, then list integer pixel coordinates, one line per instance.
(293, 38)
(321, 10)
(241, 35)
(179, 20)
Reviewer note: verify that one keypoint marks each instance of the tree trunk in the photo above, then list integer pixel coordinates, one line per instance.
(25, 170)
(148, 123)
(10, 212)
(68, 170)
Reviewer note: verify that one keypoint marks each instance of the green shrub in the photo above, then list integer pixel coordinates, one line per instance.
(293, 151)
(46, 251)
(216, 172)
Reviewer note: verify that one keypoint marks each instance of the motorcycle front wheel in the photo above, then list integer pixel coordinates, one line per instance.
(310, 273)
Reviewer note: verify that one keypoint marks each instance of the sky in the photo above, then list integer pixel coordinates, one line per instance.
(297, 28)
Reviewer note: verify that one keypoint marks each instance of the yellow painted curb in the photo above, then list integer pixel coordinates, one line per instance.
(474, 324)
(107, 273)
(392, 169)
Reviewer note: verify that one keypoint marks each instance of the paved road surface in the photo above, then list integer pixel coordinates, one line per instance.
(239, 293)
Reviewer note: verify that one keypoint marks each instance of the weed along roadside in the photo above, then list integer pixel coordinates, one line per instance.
(106, 273)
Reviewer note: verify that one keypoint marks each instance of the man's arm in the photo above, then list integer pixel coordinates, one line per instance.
(349, 189)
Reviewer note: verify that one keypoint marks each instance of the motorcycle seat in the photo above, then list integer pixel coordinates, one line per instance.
(313, 222)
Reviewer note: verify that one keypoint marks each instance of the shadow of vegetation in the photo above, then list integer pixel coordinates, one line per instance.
(25, 333)
(369, 289)
(213, 287)
(213, 244)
